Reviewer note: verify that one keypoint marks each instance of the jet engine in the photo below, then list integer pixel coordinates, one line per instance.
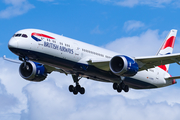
(123, 66)
(32, 71)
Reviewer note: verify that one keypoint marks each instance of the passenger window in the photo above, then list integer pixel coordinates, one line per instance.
(24, 35)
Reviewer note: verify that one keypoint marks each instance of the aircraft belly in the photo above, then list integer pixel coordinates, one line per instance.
(138, 84)
(89, 71)
(69, 66)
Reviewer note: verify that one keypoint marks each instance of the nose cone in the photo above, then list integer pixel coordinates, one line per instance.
(12, 43)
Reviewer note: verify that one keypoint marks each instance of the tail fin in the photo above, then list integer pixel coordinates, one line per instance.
(167, 47)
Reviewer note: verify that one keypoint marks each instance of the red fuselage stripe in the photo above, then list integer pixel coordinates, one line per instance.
(42, 35)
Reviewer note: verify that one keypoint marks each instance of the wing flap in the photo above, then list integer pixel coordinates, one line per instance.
(103, 65)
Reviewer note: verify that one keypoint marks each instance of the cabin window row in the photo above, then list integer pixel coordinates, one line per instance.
(60, 43)
(95, 53)
(107, 56)
(67, 45)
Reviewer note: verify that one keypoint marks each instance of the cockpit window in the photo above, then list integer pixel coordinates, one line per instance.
(24, 35)
(20, 35)
(17, 35)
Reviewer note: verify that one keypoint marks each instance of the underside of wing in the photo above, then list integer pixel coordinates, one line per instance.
(51, 69)
(145, 63)
(103, 65)
(171, 78)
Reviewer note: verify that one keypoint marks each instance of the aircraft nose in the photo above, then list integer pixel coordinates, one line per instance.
(12, 43)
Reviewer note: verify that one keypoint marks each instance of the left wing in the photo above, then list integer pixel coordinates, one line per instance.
(103, 65)
(145, 63)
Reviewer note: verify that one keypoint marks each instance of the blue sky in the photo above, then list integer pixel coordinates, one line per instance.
(131, 27)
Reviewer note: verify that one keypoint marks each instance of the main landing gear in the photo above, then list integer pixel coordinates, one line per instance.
(77, 88)
(120, 87)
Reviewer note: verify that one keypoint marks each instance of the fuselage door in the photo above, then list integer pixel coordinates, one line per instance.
(77, 52)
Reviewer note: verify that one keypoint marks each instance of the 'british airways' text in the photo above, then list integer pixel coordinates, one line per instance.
(58, 47)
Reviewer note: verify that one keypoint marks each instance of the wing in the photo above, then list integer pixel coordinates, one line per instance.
(103, 65)
(144, 63)
(171, 78)
(48, 68)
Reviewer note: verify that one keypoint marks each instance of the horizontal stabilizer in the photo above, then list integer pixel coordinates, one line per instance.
(171, 78)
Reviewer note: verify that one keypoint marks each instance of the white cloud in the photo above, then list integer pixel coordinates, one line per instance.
(57, 103)
(15, 8)
(46, 100)
(9, 104)
(133, 25)
(148, 43)
(132, 3)
(155, 3)
(7, 101)
(51, 99)
(127, 3)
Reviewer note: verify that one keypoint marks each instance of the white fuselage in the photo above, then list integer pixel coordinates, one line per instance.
(61, 51)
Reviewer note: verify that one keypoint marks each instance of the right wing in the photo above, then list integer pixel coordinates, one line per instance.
(11, 60)
(48, 68)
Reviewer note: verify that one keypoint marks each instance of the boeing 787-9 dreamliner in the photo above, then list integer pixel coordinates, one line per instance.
(41, 52)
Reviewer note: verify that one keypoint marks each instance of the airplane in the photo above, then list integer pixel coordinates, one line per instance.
(41, 52)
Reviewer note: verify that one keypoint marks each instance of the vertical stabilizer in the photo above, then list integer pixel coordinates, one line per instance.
(167, 47)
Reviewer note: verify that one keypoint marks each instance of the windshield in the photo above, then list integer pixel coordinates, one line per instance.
(20, 35)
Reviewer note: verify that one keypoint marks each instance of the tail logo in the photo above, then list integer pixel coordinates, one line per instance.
(169, 43)
(39, 37)
(163, 67)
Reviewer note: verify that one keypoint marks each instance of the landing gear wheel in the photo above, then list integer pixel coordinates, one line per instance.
(82, 90)
(115, 86)
(120, 87)
(119, 90)
(78, 87)
(71, 88)
(75, 92)
(126, 88)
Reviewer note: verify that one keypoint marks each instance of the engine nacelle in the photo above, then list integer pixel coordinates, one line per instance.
(123, 66)
(33, 71)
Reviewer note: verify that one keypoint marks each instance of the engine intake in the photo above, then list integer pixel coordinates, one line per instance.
(32, 71)
(123, 66)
